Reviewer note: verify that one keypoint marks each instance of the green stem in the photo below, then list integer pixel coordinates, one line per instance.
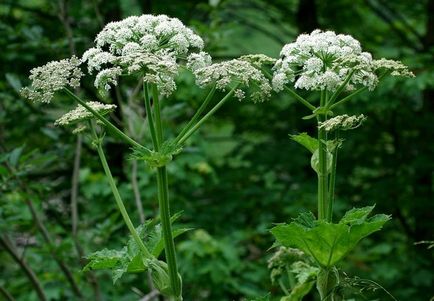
(207, 115)
(109, 126)
(339, 90)
(117, 196)
(332, 182)
(163, 200)
(197, 114)
(322, 174)
(358, 91)
(149, 116)
(157, 110)
(347, 98)
(169, 244)
(299, 98)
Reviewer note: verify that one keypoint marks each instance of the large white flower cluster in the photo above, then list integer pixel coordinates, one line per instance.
(80, 113)
(240, 72)
(324, 60)
(52, 77)
(150, 44)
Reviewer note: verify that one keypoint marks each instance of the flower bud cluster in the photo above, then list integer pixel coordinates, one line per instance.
(228, 74)
(342, 122)
(80, 113)
(52, 77)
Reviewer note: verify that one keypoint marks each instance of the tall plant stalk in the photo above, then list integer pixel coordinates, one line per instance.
(156, 130)
(322, 155)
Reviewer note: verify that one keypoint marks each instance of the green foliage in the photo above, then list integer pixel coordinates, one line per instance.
(130, 259)
(307, 141)
(240, 174)
(326, 242)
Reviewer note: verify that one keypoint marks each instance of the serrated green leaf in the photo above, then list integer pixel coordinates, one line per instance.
(130, 259)
(307, 141)
(104, 259)
(356, 215)
(327, 242)
(306, 219)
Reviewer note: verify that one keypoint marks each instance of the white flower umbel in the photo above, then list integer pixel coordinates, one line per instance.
(226, 75)
(80, 113)
(52, 77)
(147, 44)
(342, 122)
(198, 60)
(324, 60)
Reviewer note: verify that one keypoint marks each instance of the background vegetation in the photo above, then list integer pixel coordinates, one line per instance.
(239, 175)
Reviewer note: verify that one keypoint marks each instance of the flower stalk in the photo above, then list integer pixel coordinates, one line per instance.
(117, 196)
(322, 172)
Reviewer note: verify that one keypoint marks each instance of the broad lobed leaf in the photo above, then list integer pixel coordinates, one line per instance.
(328, 242)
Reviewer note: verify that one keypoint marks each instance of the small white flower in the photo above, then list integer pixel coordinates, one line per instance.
(235, 72)
(80, 113)
(238, 93)
(396, 68)
(52, 77)
(198, 60)
(107, 77)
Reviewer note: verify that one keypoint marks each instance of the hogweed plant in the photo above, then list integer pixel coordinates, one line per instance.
(334, 67)
(152, 50)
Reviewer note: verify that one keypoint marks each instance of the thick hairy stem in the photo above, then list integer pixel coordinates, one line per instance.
(7, 244)
(169, 244)
(322, 173)
(118, 198)
(163, 200)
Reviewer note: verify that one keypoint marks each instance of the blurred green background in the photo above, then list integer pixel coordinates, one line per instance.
(240, 173)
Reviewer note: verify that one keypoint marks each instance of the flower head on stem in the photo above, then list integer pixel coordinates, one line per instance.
(148, 44)
(52, 77)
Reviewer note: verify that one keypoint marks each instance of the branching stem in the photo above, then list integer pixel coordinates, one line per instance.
(197, 114)
(207, 115)
(109, 126)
